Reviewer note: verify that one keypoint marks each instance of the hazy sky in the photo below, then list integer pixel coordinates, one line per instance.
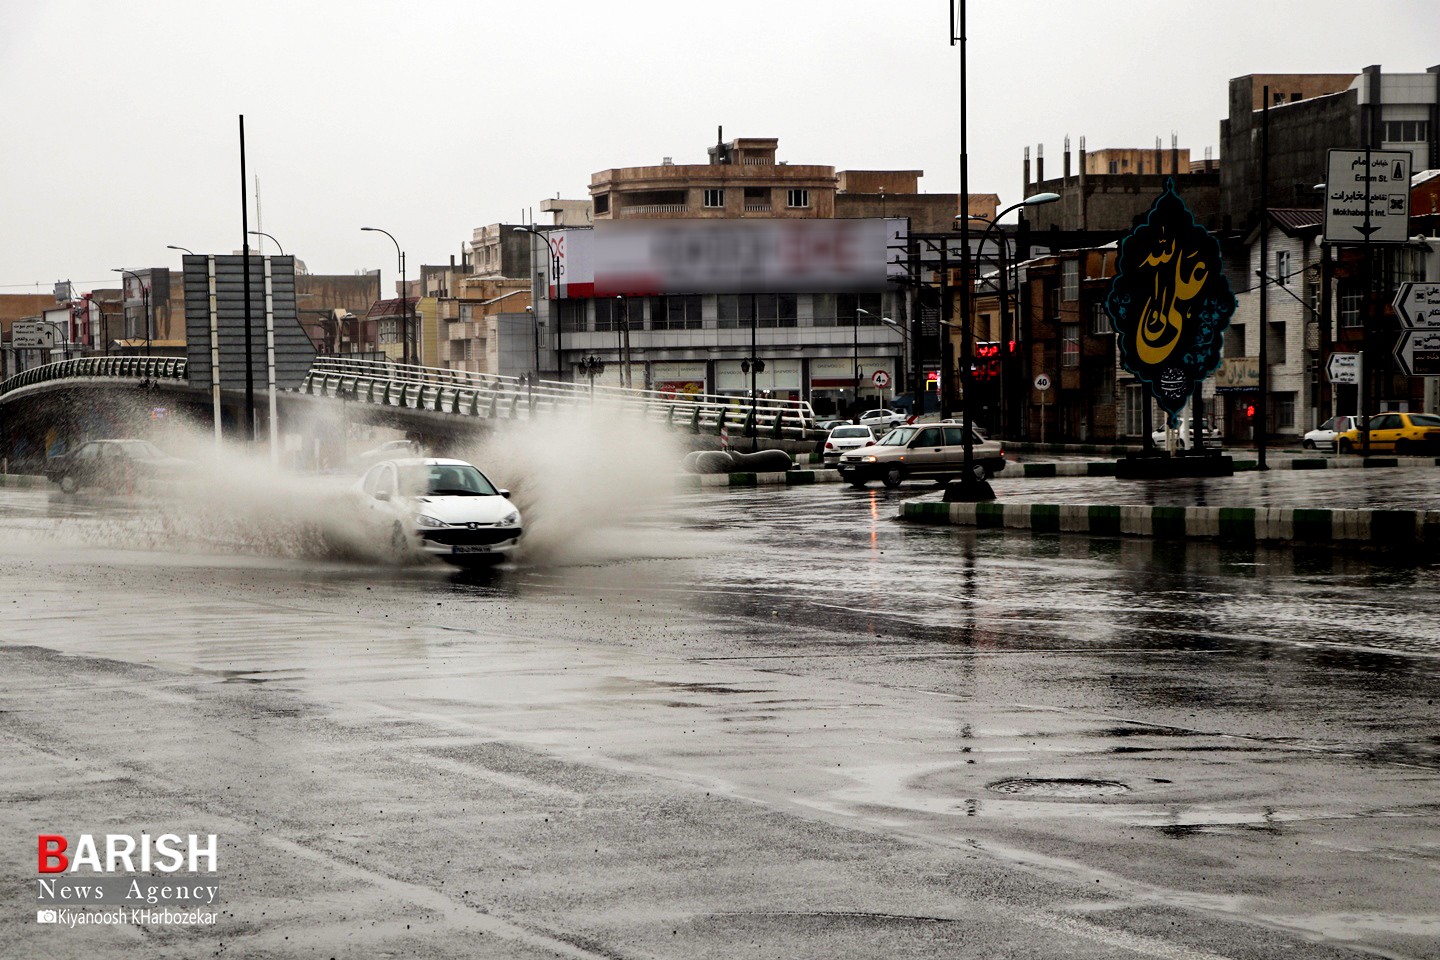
(431, 118)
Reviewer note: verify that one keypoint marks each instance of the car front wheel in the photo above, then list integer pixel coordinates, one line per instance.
(68, 483)
(894, 477)
(1345, 446)
(1308, 444)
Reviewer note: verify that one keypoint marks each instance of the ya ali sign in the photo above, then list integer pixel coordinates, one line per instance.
(1170, 303)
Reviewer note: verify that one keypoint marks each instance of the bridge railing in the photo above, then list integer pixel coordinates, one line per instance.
(140, 368)
(492, 396)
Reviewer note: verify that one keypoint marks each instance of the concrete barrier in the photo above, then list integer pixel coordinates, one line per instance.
(1379, 528)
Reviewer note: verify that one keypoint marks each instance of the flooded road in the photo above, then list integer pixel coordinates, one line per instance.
(766, 723)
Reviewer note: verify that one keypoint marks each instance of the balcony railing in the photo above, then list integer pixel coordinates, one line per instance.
(650, 208)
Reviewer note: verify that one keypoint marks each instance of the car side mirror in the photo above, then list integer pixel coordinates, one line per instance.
(505, 493)
(382, 495)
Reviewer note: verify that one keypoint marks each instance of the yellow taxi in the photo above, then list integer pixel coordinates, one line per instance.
(1403, 433)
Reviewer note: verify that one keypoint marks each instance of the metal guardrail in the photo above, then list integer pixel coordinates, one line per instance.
(466, 394)
(140, 368)
(490, 396)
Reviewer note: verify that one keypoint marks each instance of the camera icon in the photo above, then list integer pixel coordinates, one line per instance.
(46, 916)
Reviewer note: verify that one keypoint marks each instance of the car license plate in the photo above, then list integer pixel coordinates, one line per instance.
(469, 549)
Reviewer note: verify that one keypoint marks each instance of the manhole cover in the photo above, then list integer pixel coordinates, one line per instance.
(1070, 788)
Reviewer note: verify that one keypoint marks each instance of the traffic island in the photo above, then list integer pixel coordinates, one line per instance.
(1384, 529)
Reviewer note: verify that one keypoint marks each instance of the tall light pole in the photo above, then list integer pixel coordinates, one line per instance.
(1034, 200)
(557, 270)
(404, 296)
(144, 300)
(171, 246)
(262, 233)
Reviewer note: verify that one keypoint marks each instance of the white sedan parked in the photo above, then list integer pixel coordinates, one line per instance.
(882, 419)
(1323, 436)
(847, 436)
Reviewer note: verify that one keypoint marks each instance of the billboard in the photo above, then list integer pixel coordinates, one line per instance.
(272, 297)
(655, 257)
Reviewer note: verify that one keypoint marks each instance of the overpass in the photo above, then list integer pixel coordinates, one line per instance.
(425, 400)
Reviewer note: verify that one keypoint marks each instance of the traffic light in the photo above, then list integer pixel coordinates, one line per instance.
(1250, 411)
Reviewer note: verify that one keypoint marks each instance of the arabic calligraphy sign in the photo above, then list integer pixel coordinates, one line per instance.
(1418, 305)
(1382, 176)
(1170, 302)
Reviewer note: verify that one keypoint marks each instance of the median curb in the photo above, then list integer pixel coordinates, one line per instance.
(1383, 528)
(22, 480)
(787, 478)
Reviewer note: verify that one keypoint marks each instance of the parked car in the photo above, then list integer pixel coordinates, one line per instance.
(446, 509)
(845, 437)
(115, 465)
(929, 452)
(1323, 436)
(1185, 435)
(882, 418)
(1403, 433)
(936, 418)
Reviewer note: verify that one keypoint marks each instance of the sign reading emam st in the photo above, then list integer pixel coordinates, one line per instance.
(1170, 303)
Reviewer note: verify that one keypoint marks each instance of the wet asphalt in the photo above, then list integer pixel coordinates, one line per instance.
(773, 723)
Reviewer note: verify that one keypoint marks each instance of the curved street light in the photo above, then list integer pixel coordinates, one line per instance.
(171, 246)
(262, 233)
(557, 270)
(145, 302)
(404, 295)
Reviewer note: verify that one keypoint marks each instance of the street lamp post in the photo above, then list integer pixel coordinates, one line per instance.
(591, 366)
(171, 246)
(557, 270)
(405, 351)
(144, 301)
(1004, 257)
(262, 233)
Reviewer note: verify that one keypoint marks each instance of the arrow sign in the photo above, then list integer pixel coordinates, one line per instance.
(1418, 305)
(1418, 352)
(1343, 368)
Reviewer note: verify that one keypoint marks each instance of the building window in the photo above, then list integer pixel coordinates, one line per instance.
(1100, 320)
(714, 198)
(1135, 400)
(1114, 167)
(1275, 349)
(602, 203)
(849, 305)
(1295, 98)
(1351, 308)
(675, 313)
(1284, 411)
(1071, 280)
(612, 312)
(1282, 267)
(1407, 131)
(777, 309)
(797, 198)
(572, 314)
(1070, 345)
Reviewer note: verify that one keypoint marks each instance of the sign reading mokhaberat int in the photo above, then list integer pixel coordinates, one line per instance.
(1170, 303)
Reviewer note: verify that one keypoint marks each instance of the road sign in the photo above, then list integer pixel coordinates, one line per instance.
(1418, 305)
(1343, 367)
(1418, 352)
(1383, 188)
(32, 336)
(880, 378)
(1042, 382)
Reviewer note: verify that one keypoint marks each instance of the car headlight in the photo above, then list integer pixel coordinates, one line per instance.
(868, 459)
(423, 521)
(510, 519)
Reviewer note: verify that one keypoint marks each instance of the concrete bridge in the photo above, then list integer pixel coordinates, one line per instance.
(85, 397)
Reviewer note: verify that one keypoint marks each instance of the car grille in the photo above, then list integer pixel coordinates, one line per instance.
(463, 537)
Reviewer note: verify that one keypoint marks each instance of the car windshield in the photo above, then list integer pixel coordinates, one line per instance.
(444, 480)
(897, 437)
(1425, 420)
(842, 432)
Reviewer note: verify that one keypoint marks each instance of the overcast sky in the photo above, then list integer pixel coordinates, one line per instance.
(431, 118)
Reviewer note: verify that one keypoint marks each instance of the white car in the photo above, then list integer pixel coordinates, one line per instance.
(1323, 436)
(847, 436)
(882, 419)
(446, 509)
(1183, 437)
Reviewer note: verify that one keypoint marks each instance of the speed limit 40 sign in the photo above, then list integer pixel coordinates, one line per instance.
(1042, 382)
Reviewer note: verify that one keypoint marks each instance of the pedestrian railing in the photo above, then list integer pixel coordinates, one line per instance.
(491, 396)
(136, 368)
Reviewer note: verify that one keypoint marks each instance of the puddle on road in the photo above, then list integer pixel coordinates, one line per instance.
(1062, 788)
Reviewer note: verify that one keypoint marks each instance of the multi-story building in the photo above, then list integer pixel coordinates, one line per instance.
(1311, 114)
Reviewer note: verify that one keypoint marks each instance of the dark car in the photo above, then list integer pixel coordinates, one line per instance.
(114, 465)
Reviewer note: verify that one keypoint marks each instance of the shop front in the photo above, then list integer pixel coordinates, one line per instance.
(832, 384)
